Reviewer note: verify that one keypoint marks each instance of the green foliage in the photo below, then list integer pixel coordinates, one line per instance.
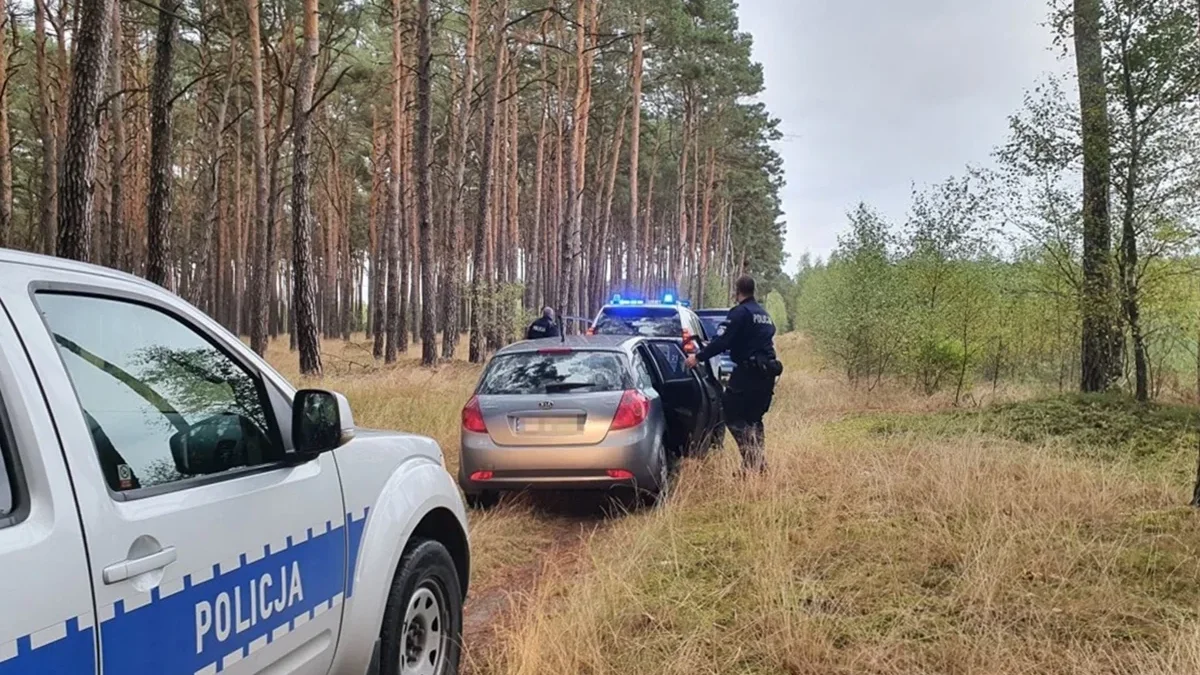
(1106, 426)
(777, 308)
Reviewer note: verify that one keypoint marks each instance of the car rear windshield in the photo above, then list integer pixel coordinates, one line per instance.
(531, 373)
(639, 320)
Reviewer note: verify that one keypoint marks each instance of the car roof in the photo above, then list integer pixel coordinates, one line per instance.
(605, 343)
(12, 257)
(712, 310)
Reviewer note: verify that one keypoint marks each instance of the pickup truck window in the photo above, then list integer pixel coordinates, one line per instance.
(162, 402)
(7, 503)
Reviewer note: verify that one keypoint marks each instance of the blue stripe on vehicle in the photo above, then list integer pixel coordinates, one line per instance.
(66, 647)
(355, 524)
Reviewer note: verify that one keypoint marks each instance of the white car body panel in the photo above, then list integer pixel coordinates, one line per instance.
(342, 521)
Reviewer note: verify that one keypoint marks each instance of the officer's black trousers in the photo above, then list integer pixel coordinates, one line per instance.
(747, 399)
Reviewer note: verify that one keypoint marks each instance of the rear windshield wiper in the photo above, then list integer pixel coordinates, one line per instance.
(568, 386)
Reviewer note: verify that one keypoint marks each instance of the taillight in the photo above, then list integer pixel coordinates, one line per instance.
(689, 347)
(619, 474)
(472, 417)
(480, 476)
(632, 411)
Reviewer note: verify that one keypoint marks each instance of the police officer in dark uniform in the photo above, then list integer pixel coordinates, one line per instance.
(749, 338)
(544, 327)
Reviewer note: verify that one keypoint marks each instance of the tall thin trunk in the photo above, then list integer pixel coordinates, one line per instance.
(260, 293)
(375, 256)
(480, 286)
(1098, 337)
(6, 189)
(307, 339)
(118, 231)
(158, 234)
(455, 274)
(679, 254)
(48, 130)
(706, 224)
(76, 193)
(395, 303)
(534, 267)
(424, 183)
(635, 143)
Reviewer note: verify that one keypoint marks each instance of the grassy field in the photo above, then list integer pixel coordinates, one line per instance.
(892, 535)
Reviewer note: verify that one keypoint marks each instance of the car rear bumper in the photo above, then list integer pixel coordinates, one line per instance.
(561, 467)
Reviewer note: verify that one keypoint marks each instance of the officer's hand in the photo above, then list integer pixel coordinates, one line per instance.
(691, 362)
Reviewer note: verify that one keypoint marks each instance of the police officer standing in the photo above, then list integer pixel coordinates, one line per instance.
(544, 327)
(749, 338)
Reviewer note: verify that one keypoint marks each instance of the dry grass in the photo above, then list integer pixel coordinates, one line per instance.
(925, 549)
(862, 553)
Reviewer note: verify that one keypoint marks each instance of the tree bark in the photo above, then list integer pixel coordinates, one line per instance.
(6, 191)
(48, 129)
(76, 193)
(424, 183)
(396, 289)
(480, 285)
(307, 338)
(635, 142)
(117, 229)
(158, 217)
(455, 273)
(1098, 337)
(260, 292)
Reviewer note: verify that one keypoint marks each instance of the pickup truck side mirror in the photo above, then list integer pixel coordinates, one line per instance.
(321, 421)
(217, 444)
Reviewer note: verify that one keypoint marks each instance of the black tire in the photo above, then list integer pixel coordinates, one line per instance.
(426, 571)
(718, 439)
(655, 495)
(483, 500)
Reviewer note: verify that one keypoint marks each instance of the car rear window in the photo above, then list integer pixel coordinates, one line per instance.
(639, 320)
(526, 373)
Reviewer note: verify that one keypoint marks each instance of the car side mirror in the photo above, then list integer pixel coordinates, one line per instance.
(321, 421)
(216, 444)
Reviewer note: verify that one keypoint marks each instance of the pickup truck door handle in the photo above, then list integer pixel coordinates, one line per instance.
(131, 568)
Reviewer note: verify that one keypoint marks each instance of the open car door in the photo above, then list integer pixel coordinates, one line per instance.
(687, 401)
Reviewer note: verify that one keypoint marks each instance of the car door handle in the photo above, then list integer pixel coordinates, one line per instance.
(127, 569)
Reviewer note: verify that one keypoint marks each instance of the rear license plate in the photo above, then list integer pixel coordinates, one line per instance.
(548, 425)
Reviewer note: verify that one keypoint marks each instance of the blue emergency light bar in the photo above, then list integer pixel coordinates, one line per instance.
(667, 299)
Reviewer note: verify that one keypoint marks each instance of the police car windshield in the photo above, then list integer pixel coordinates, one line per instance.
(639, 320)
(530, 373)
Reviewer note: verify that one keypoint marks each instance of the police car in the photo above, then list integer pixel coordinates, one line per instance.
(170, 505)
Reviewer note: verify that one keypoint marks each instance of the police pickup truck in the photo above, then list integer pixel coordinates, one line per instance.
(170, 505)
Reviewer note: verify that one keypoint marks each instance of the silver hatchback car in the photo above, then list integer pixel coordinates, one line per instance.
(587, 412)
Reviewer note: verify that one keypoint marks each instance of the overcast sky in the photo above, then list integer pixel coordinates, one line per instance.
(876, 95)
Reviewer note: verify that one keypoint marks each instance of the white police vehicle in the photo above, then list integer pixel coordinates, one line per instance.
(170, 505)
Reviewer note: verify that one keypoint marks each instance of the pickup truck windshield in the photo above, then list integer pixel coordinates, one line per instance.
(639, 320)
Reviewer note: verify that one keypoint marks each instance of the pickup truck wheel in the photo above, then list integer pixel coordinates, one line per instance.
(422, 622)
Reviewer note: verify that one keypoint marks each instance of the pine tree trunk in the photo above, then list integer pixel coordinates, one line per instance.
(480, 286)
(634, 275)
(118, 230)
(535, 265)
(48, 130)
(456, 272)
(158, 239)
(424, 183)
(375, 256)
(706, 225)
(6, 189)
(395, 303)
(1098, 339)
(304, 298)
(261, 268)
